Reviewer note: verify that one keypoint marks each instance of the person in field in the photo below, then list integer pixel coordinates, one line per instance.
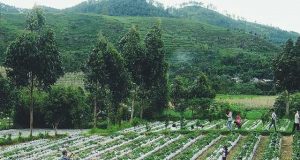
(65, 155)
(273, 120)
(238, 121)
(296, 122)
(224, 153)
(229, 119)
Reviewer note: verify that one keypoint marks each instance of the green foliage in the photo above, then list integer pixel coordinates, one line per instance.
(66, 107)
(179, 94)
(96, 78)
(255, 114)
(8, 140)
(287, 67)
(112, 129)
(295, 102)
(34, 56)
(156, 70)
(33, 60)
(120, 8)
(174, 115)
(23, 103)
(35, 19)
(207, 15)
(280, 104)
(105, 72)
(134, 55)
(75, 35)
(7, 97)
(201, 95)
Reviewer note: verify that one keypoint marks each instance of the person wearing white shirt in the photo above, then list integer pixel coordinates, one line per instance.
(296, 122)
(273, 121)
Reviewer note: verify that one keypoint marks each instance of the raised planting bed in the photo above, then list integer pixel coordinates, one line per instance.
(149, 148)
(196, 149)
(171, 150)
(296, 146)
(272, 152)
(249, 148)
(230, 141)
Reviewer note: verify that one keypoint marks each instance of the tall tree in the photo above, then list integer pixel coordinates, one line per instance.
(95, 75)
(156, 69)
(106, 71)
(179, 94)
(33, 60)
(201, 94)
(287, 69)
(35, 19)
(134, 56)
(118, 79)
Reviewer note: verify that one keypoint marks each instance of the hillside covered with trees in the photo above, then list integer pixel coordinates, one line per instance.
(196, 39)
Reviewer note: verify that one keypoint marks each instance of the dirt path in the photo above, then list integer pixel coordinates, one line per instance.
(286, 148)
(235, 150)
(209, 150)
(261, 148)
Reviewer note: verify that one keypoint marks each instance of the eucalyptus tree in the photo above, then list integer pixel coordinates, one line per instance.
(33, 59)
(134, 56)
(107, 78)
(286, 68)
(156, 69)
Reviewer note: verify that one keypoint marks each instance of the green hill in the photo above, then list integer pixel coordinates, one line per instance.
(121, 8)
(76, 34)
(197, 12)
(191, 10)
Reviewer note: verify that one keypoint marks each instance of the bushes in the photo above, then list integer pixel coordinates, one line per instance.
(280, 104)
(295, 102)
(78, 115)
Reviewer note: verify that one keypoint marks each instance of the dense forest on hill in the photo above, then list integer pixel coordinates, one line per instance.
(196, 38)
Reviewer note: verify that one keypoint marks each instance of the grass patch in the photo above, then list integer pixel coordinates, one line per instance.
(255, 114)
(110, 130)
(174, 115)
(4, 124)
(7, 140)
(248, 101)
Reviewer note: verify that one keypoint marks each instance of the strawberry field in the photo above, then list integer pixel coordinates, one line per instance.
(158, 141)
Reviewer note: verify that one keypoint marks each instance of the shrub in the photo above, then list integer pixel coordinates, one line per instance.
(102, 125)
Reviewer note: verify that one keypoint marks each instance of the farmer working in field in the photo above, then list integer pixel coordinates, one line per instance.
(65, 155)
(229, 119)
(238, 121)
(273, 120)
(296, 123)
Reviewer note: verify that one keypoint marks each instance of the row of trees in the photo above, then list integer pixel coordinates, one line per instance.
(138, 73)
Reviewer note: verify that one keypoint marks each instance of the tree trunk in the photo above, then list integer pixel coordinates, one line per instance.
(141, 112)
(287, 103)
(31, 104)
(132, 111)
(192, 112)
(55, 129)
(95, 112)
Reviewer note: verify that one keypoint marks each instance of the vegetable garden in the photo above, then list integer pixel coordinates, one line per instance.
(156, 141)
